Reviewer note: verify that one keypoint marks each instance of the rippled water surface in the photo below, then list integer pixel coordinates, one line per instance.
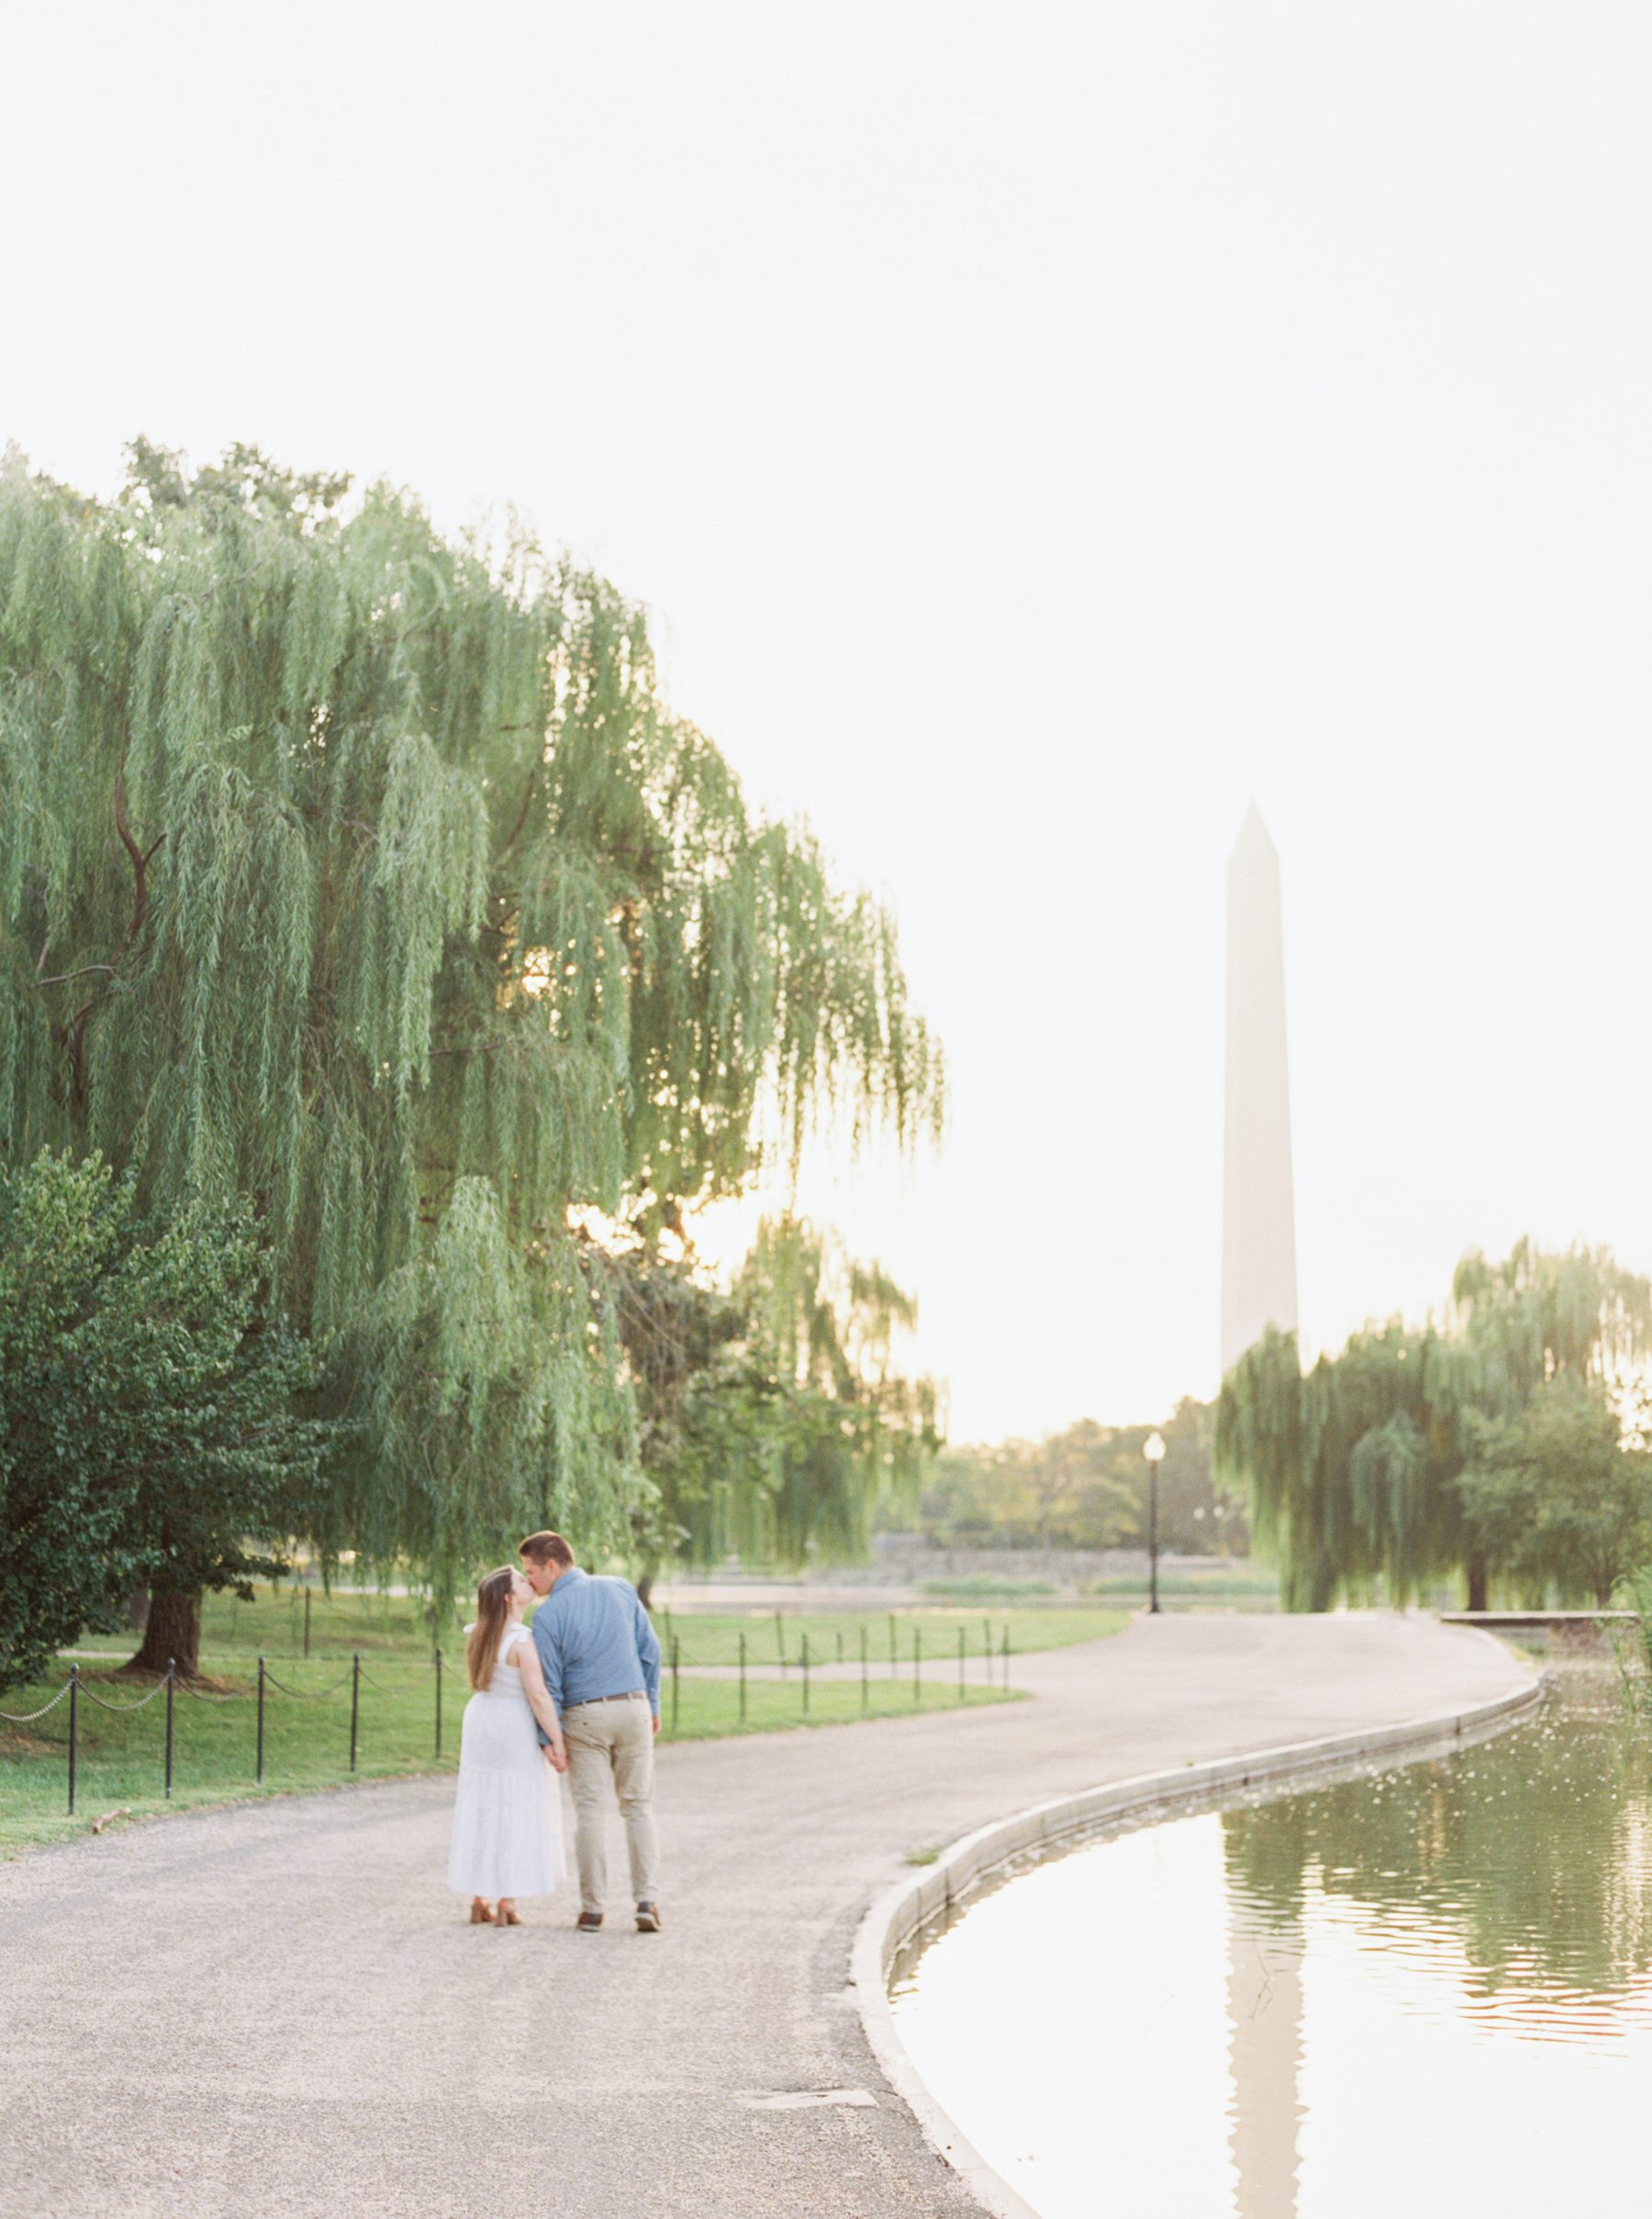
(1423, 1992)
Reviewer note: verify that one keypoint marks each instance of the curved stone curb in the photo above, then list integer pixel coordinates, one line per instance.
(912, 1903)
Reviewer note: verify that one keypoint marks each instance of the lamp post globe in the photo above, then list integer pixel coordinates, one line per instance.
(1152, 1448)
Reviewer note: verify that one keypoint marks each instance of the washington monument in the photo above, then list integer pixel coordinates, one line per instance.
(1258, 1212)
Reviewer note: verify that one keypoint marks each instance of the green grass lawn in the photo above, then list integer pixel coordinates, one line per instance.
(1242, 1585)
(340, 1623)
(120, 1756)
(398, 1626)
(712, 1637)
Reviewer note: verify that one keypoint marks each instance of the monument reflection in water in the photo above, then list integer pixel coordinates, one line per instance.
(1428, 1991)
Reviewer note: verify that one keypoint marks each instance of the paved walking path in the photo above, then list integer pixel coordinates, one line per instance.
(274, 2010)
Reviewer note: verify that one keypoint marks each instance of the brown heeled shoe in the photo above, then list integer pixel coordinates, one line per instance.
(508, 1918)
(481, 1915)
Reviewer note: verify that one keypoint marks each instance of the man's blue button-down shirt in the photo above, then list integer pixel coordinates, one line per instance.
(594, 1638)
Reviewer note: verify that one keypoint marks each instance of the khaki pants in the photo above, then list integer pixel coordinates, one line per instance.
(612, 1741)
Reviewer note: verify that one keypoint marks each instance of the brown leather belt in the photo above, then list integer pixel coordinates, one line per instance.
(631, 1695)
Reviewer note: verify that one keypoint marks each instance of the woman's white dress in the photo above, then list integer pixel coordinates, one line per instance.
(507, 1836)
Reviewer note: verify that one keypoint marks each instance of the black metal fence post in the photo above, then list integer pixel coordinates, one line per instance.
(840, 1642)
(355, 1701)
(743, 1682)
(306, 1603)
(439, 1702)
(865, 1687)
(74, 1728)
(259, 1772)
(806, 1675)
(676, 1680)
(172, 1674)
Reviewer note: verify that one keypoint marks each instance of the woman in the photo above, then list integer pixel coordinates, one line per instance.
(507, 1837)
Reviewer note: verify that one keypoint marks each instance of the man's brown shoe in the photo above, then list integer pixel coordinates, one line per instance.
(588, 1922)
(648, 1918)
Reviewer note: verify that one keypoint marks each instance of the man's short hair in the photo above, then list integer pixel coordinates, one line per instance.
(546, 1548)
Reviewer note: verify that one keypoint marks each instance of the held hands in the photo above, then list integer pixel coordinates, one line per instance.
(557, 1757)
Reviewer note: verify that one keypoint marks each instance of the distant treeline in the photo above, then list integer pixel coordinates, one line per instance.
(1085, 1488)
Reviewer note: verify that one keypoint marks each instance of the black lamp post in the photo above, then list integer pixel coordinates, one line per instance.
(1152, 1448)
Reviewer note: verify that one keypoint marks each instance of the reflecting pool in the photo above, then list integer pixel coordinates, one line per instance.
(1425, 1991)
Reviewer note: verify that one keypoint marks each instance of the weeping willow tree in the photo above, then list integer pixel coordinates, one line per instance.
(777, 1421)
(363, 873)
(1352, 1468)
(861, 1432)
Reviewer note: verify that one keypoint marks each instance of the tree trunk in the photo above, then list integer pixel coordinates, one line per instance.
(646, 1586)
(138, 1608)
(1475, 1569)
(172, 1634)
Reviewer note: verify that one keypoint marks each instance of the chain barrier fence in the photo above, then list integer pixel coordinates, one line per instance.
(76, 1690)
(993, 1656)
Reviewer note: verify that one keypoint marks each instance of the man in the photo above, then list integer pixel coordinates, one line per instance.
(601, 1660)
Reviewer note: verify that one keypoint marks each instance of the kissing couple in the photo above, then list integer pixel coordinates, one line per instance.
(578, 1693)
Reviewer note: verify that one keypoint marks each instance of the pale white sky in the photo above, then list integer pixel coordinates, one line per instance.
(1036, 430)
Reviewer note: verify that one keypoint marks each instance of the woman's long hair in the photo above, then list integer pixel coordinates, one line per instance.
(493, 1610)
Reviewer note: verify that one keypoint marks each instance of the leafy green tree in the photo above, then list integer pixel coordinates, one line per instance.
(966, 1500)
(364, 873)
(148, 1422)
(1351, 1470)
(857, 1432)
(711, 1415)
(1078, 1486)
(1085, 1488)
(774, 1422)
(1075, 1489)
(1196, 1516)
(1554, 1497)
